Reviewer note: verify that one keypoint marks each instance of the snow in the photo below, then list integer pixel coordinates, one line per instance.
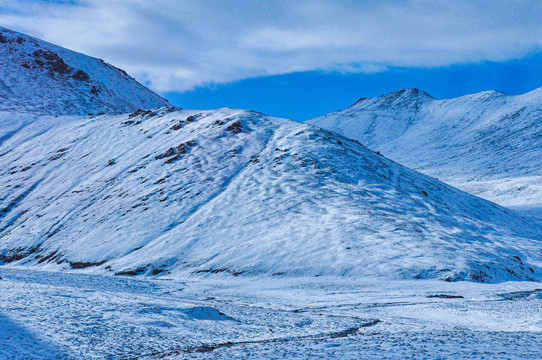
(49, 315)
(487, 144)
(168, 233)
(232, 192)
(39, 77)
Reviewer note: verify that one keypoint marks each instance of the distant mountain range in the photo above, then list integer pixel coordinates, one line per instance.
(488, 144)
(229, 192)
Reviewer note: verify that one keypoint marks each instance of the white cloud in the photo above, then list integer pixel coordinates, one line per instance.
(176, 45)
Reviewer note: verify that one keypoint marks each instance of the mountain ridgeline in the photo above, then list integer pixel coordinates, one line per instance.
(488, 144)
(39, 77)
(240, 193)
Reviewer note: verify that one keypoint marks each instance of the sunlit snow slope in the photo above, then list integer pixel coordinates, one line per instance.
(236, 192)
(489, 144)
(39, 77)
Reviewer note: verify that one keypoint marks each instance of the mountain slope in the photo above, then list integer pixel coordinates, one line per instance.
(43, 78)
(237, 192)
(487, 144)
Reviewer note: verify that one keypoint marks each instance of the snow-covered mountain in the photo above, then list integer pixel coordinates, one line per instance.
(39, 77)
(185, 192)
(240, 193)
(488, 144)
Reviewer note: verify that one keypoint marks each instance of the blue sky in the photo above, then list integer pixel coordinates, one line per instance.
(302, 96)
(298, 59)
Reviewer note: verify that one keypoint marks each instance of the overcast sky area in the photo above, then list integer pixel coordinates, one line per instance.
(298, 59)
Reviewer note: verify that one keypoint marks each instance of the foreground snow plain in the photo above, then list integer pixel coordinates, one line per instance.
(54, 315)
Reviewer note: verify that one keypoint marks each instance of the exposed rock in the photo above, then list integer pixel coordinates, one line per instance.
(81, 76)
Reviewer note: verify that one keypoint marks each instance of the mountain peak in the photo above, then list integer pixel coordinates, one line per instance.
(404, 98)
(487, 95)
(236, 192)
(485, 143)
(75, 84)
(407, 92)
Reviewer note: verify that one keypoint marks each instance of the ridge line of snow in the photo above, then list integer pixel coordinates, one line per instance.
(200, 207)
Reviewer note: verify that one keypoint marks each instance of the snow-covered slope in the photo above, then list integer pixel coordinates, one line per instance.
(240, 193)
(489, 144)
(39, 77)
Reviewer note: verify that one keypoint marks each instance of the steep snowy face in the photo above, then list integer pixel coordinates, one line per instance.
(236, 192)
(487, 144)
(39, 77)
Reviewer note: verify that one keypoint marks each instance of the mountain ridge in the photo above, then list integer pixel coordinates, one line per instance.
(43, 78)
(235, 192)
(483, 143)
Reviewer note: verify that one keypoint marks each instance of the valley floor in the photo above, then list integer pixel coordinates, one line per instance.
(50, 315)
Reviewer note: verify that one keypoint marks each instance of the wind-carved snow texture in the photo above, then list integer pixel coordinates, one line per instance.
(43, 78)
(488, 144)
(237, 193)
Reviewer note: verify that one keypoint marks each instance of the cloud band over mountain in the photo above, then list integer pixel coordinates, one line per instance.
(220, 42)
